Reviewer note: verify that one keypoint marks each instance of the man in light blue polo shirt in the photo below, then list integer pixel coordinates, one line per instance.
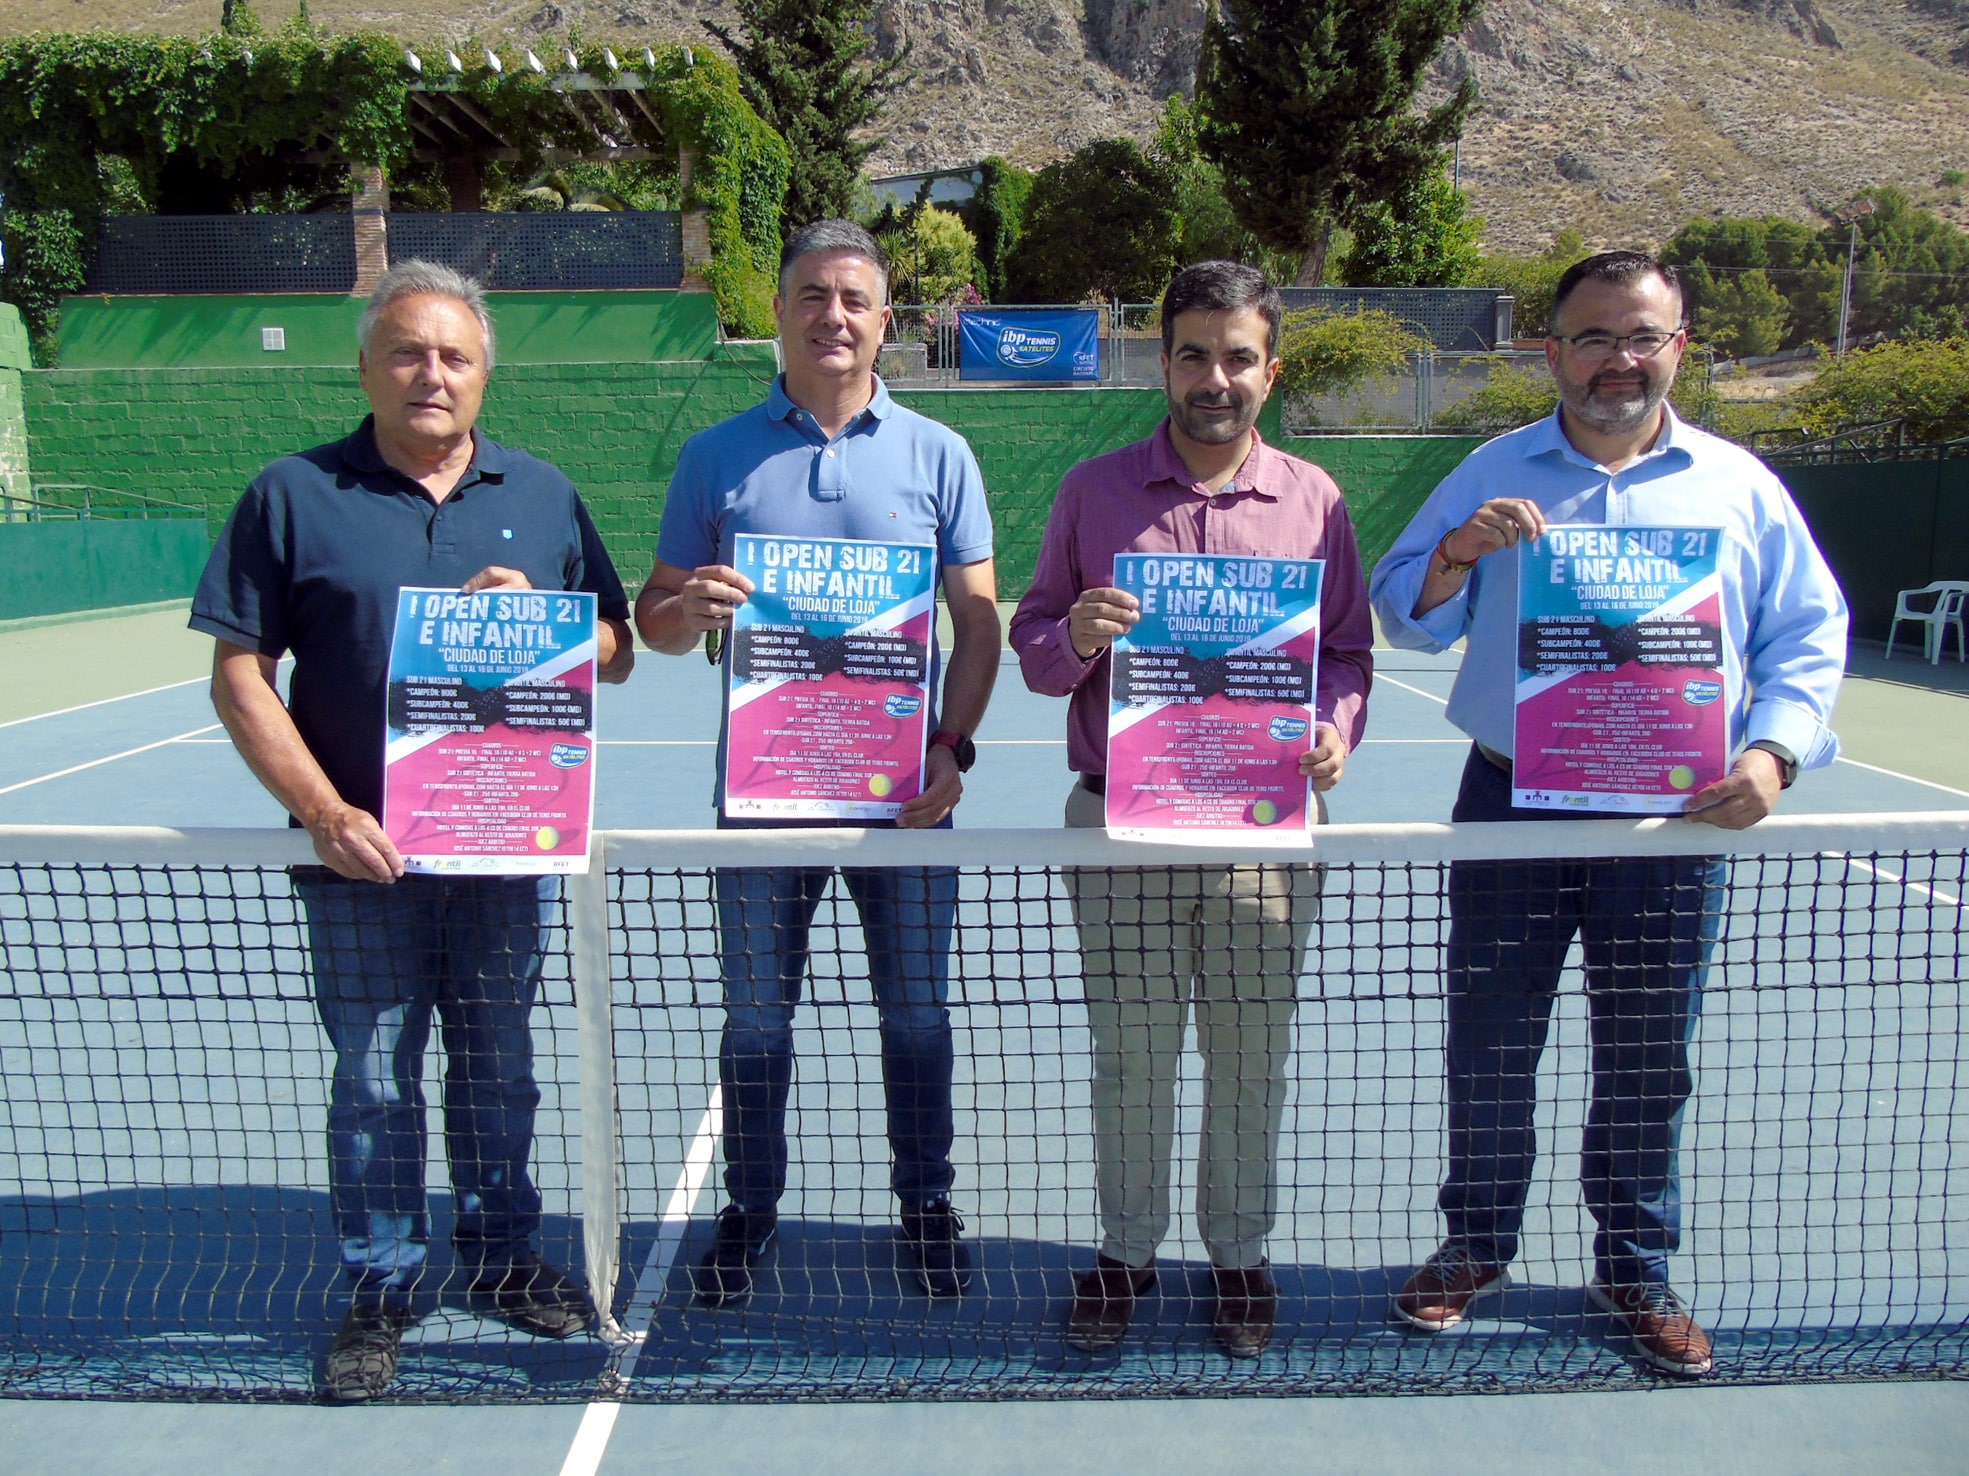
(830, 455)
(1614, 452)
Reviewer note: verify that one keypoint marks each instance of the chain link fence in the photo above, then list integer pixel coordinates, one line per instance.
(1432, 391)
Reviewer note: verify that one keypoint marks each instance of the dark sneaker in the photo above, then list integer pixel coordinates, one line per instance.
(1440, 1292)
(363, 1358)
(1104, 1303)
(1247, 1310)
(1663, 1331)
(534, 1297)
(933, 1235)
(724, 1276)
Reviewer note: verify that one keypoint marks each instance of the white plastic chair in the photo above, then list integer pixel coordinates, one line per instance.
(1910, 605)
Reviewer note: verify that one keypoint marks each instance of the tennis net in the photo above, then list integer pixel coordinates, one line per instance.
(168, 1232)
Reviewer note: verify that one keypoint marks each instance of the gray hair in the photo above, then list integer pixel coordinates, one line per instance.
(421, 278)
(832, 235)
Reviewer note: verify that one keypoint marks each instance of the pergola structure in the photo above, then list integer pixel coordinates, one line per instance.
(612, 113)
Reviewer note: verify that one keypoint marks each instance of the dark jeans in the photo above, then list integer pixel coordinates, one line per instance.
(384, 958)
(764, 918)
(1647, 928)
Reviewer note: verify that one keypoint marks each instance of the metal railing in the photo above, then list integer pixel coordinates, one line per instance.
(922, 345)
(922, 351)
(1432, 391)
(93, 502)
(1879, 440)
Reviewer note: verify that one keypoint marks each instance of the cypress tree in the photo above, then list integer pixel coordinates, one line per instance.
(1309, 108)
(804, 67)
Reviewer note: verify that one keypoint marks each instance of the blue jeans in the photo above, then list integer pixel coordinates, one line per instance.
(764, 916)
(384, 958)
(1647, 929)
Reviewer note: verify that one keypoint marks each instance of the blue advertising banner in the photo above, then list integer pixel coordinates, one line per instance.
(1016, 343)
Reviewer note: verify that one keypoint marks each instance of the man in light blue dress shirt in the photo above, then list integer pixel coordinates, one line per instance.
(1613, 453)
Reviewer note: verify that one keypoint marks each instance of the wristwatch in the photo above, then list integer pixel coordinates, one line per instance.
(1787, 761)
(964, 750)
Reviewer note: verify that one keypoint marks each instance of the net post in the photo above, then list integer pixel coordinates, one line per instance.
(601, 1228)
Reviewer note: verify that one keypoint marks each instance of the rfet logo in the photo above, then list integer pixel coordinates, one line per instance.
(1027, 348)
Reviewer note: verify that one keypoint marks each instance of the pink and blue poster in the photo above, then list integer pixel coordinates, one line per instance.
(489, 761)
(829, 683)
(1622, 702)
(1211, 697)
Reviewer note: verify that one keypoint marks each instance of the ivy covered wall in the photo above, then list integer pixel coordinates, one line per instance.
(100, 123)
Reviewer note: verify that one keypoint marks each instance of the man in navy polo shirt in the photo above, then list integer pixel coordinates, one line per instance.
(830, 455)
(310, 563)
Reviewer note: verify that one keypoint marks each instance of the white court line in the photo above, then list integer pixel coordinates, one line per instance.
(1900, 881)
(584, 1456)
(105, 701)
(1870, 768)
(1382, 680)
(109, 759)
(1897, 774)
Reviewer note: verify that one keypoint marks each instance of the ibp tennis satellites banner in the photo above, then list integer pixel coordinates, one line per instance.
(829, 685)
(489, 760)
(1622, 701)
(1211, 703)
(1043, 344)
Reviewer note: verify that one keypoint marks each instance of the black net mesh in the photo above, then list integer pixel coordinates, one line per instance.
(513, 252)
(165, 1196)
(218, 254)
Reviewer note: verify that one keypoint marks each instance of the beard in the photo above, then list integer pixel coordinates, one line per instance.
(1213, 432)
(1615, 412)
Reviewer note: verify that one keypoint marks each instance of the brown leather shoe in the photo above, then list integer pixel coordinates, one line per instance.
(1104, 1303)
(1247, 1310)
(1664, 1332)
(1440, 1292)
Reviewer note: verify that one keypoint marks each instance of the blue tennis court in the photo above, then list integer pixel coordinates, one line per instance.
(201, 1189)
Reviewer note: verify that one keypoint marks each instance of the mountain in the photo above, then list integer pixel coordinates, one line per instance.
(1621, 119)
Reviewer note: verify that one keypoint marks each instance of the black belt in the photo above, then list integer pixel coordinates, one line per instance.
(1094, 783)
(1497, 760)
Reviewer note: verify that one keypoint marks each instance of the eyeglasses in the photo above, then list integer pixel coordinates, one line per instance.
(1606, 345)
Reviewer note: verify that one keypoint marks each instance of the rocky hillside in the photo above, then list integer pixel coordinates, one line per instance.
(1623, 119)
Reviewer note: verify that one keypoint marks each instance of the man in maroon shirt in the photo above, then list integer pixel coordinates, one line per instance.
(1229, 940)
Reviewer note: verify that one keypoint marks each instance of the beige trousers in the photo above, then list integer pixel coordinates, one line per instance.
(1155, 942)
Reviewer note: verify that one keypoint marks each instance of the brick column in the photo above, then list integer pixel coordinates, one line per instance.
(370, 198)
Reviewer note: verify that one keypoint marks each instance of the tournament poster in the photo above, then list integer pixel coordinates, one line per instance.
(1211, 696)
(489, 761)
(1623, 704)
(829, 682)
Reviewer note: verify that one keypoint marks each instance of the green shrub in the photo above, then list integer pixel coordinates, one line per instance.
(932, 258)
(1511, 396)
(1324, 353)
(1926, 382)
